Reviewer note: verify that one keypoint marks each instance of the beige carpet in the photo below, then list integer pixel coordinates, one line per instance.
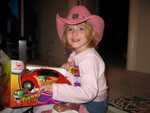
(122, 83)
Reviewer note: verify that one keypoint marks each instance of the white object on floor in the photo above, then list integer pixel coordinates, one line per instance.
(115, 110)
(70, 111)
(14, 110)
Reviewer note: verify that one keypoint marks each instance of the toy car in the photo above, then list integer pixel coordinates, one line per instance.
(34, 79)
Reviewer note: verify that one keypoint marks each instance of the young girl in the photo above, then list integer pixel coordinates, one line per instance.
(81, 32)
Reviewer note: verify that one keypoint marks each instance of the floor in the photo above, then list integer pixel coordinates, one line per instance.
(122, 82)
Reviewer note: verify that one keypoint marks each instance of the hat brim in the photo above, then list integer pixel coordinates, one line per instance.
(96, 22)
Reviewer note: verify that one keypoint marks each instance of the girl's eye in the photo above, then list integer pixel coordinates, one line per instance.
(81, 28)
(69, 29)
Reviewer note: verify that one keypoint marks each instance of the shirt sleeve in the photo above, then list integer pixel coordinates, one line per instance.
(90, 74)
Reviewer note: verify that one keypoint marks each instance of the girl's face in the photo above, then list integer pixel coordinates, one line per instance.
(76, 37)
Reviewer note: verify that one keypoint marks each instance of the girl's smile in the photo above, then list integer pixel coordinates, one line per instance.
(75, 40)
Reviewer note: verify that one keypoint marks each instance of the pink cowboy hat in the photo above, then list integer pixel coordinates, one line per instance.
(77, 15)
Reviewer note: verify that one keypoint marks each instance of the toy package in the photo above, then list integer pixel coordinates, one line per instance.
(19, 83)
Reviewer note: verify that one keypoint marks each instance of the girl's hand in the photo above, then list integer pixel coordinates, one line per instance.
(46, 88)
(68, 65)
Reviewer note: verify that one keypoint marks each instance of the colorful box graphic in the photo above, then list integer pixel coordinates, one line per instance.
(19, 83)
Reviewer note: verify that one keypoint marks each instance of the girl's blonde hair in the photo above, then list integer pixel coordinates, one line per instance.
(90, 34)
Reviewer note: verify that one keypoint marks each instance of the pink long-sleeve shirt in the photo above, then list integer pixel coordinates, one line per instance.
(93, 82)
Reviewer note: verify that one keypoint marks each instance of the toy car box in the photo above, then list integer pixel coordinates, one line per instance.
(19, 83)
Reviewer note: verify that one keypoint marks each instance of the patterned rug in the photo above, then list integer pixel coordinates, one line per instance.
(131, 104)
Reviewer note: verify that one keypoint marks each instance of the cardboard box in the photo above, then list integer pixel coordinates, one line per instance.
(19, 83)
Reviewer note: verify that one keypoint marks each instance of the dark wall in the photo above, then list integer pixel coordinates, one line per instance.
(115, 15)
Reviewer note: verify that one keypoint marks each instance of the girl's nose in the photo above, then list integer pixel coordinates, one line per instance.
(75, 32)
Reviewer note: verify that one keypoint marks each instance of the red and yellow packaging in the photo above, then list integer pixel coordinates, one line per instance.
(9, 82)
(19, 83)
